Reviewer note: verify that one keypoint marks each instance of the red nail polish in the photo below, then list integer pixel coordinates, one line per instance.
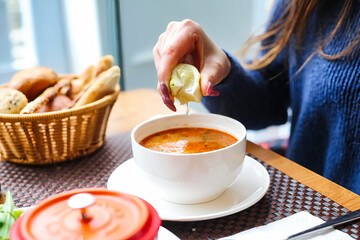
(169, 103)
(211, 91)
(164, 89)
(166, 97)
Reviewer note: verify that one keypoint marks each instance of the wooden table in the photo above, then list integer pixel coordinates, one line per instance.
(292, 188)
(135, 106)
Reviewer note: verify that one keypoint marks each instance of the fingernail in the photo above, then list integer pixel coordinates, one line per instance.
(166, 97)
(169, 103)
(211, 91)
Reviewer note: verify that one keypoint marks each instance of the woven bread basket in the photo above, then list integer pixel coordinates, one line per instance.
(47, 138)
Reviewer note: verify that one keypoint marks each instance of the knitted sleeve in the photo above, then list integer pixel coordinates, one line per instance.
(256, 98)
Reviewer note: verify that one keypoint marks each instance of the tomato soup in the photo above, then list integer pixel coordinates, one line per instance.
(188, 140)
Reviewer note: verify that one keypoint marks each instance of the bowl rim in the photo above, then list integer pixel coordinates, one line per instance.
(239, 140)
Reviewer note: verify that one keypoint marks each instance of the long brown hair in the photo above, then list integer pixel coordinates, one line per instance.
(293, 21)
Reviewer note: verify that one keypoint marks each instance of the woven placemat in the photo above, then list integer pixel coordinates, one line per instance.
(286, 196)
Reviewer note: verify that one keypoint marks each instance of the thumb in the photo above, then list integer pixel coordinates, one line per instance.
(211, 75)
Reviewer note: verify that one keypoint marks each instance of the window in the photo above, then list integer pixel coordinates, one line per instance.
(60, 34)
(15, 47)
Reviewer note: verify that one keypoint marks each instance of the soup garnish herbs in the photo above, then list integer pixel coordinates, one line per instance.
(188, 140)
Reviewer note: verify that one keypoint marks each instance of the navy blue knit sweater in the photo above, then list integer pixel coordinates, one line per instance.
(324, 97)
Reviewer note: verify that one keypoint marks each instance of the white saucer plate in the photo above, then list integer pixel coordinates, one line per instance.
(248, 189)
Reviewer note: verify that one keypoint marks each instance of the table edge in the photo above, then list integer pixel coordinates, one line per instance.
(333, 191)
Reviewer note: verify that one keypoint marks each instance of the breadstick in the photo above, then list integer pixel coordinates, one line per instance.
(77, 85)
(104, 64)
(103, 85)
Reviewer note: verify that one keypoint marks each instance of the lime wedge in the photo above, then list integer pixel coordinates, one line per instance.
(185, 83)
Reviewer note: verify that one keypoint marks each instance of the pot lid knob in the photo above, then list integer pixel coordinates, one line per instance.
(82, 201)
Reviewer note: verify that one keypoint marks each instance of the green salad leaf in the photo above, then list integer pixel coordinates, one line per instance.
(8, 216)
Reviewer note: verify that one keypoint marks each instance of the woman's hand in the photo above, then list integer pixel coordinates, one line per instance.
(186, 42)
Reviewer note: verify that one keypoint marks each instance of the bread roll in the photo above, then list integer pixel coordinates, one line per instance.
(32, 82)
(59, 102)
(103, 85)
(11, 100)
(45, 97)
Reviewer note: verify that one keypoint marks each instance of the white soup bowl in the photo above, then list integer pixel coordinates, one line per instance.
(190, 178)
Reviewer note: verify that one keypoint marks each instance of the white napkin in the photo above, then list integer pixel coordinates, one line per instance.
(285, 227)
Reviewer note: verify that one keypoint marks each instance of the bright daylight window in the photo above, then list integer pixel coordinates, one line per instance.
(20, 29)
(16, 41)
(34, 33)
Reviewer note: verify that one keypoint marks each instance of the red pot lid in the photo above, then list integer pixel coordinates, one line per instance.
(107, 215)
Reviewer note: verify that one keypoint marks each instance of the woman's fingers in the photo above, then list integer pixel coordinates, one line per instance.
(156, 52)
(216, 67)
(179, 43)
(186, 42)
(175, 49)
